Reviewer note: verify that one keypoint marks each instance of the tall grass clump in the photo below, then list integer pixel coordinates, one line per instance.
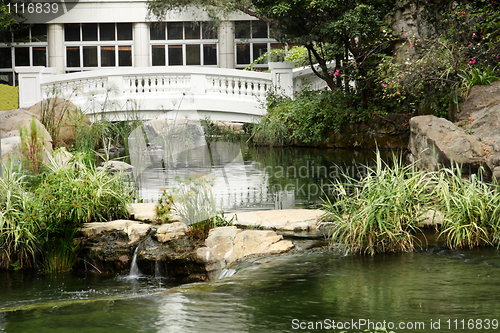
(379, 212)
(18, 221)
(32, 146)
(470, 208)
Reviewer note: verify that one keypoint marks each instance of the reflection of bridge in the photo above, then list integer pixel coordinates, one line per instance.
(124, 93)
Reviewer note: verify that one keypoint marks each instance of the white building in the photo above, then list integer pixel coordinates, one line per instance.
(86, 35)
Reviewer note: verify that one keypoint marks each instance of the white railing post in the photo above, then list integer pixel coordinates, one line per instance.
(282, 76)
(30, 79)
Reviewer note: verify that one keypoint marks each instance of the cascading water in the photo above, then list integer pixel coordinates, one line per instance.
(134, 268)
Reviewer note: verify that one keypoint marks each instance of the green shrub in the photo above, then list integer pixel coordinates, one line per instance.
(310, 117)
(476, 76)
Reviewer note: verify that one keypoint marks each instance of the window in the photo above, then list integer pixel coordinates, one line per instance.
(252, 41)
(92, 45)
(25, 47)
(183, 44)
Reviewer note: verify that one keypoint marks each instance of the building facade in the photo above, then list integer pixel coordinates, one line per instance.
(88, 35)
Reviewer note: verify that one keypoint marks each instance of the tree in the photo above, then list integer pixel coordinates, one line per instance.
(9, 21)
(331, 30)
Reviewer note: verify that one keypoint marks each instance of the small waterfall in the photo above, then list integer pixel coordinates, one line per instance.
(157, 269)
(226, 273)
(134, 269)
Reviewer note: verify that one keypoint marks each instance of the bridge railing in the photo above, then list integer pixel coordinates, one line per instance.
(227, 94)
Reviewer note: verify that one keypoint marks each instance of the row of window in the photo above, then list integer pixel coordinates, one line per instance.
(94, 45)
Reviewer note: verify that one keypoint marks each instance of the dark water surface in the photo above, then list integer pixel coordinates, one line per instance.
(272, 294)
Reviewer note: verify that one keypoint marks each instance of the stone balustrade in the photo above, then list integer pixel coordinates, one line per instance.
(120, 93)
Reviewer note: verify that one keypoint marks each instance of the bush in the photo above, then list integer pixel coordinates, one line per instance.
(308, 118)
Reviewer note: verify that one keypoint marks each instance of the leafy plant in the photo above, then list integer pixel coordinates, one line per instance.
(163, 207)
(476, 76)
(194, 200)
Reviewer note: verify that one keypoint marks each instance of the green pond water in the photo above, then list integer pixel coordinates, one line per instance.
(436, 289)
(271, 294)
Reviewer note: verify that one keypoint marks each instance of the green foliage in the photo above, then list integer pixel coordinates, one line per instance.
(60, 255)
(9, 97)
(32, 147)
(76, 193)
(380, 212)
(296, 54)
(163, 207)
(476, 76)
(308, 118)
(214, 132)
(199, 231)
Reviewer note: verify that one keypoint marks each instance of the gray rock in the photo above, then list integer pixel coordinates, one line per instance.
(437, 142)
(134, 230)
(10, 123)
(170, 231)
(279, 220)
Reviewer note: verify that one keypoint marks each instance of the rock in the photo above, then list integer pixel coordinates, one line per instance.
(226, 245)
(146, 212)
(133, 229)
(279, 220)
(436, 142)
(117, 167)
(143, 211)
(431, 218)
(496, 172)
(10, 123)
(167, 232)
(479, 98)
(70, 119)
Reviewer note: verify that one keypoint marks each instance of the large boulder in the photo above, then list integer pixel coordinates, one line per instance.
(437, 142)
(10, 124)
(473, 141)
(71, 119)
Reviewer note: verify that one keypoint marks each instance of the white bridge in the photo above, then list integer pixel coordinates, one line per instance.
(147, 92)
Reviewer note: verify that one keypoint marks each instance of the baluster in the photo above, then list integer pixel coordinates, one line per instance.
(244, 87)
(262, 91)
